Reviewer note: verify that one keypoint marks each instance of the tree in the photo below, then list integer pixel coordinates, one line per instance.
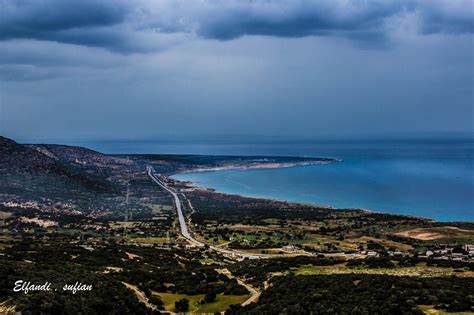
(210, 297)
(156, 301)
(182, 305)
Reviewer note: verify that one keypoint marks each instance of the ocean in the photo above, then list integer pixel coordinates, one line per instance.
(425, 178)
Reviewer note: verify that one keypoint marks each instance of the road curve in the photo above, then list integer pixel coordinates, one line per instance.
(183, 226)
(254, 293)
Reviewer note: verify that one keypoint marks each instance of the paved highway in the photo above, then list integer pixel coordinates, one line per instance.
(177, 202)
(183, 226)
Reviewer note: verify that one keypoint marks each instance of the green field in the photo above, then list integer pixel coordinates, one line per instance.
(152, 240)
(221, 303)
(159, 209)
(430, 310)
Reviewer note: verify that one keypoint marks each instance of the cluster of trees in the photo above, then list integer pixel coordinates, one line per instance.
(214, 207)
(450, 264)
(241, 239)
(230, 209)
(182, 305)
(63, 262)
(256, 271)
(237, 209)
(107, 296)
(361, 294)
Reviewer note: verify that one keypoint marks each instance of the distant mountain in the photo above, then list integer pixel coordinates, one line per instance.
(14, 156)
(78, 155)
(34, 172)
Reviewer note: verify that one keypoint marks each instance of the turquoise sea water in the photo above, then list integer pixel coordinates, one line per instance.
(433, 179)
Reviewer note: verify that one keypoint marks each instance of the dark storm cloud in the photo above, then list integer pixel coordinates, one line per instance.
(359, 20)
(120, 25)
(85, 22)
(37, 18)
(291, 19)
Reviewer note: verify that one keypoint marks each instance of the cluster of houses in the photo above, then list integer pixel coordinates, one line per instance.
(464, 253)
(369, 253)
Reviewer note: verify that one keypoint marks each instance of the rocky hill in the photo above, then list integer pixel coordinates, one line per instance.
(79, 156)
(31, 173)
(14, 156)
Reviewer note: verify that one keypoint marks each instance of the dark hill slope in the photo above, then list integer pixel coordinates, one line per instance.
(79, 155)
(14, 156)
(26, 172)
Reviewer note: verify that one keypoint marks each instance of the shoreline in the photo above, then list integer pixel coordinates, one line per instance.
(267, 166)
(243, 167)
(277, 165)
(197, 185)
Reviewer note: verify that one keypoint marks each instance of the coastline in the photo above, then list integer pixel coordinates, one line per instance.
(197, 185)
(243, 167)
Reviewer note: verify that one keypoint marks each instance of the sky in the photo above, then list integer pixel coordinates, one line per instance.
(96, 70)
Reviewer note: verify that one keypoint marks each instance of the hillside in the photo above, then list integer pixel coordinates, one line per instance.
(14, 157)
(80, 156)
(27, 173)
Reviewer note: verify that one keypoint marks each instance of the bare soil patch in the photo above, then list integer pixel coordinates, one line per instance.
(428, 234)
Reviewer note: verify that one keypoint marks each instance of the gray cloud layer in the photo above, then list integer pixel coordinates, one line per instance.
(130, 26)
(136, 69)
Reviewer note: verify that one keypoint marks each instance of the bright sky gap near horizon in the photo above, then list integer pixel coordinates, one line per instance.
(137, 70)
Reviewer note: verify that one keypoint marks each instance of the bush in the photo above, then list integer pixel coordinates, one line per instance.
(155, 300)
(182, 305)
(210, 297)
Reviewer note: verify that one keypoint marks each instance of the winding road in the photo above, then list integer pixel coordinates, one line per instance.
(182, 222)
(254, 293)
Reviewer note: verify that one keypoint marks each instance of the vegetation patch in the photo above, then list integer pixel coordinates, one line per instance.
(221, 303)
(361, 294)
